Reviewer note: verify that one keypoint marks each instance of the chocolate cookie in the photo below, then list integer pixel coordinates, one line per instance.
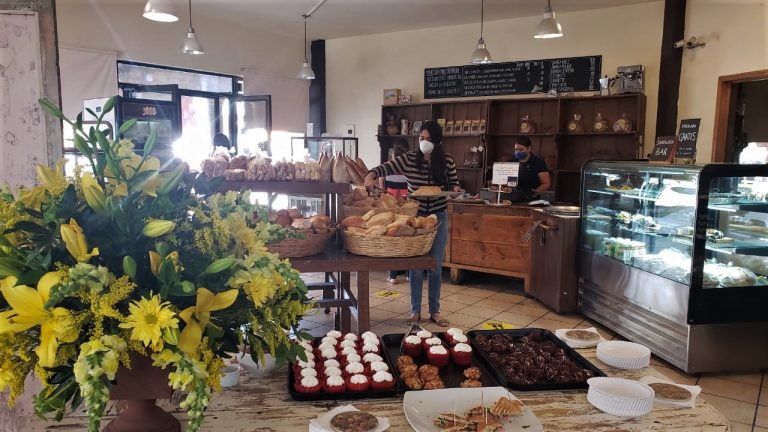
(670, 391)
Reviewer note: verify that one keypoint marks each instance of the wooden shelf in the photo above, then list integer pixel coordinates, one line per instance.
(294, 187)
(598, 133)
(521, 134)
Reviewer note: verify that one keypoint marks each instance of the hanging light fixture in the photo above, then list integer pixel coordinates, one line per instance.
(160, 10)
(191, 44)
(481, 55)
(306, 72)
(548, 27)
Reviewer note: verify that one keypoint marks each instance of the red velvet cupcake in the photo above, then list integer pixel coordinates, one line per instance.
(299, 365)
(358, 383)
(371, 357)
(354, 369)
(438, 356)
(329, 363)
(412, 346)
(433, 341)
(457, 339)
(382, 381)
(334, 384)
(332, 371)
(308, 385)
(462, 354)
(369, 348)
(449, 335)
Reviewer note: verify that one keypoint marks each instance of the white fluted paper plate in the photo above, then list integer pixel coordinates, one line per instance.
(623, 355)
(620, 397)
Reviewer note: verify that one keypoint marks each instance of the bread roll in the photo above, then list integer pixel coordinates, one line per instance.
(368, 202)
(301, 223)
(376, 230)
(388, 201)
(369, 215)
(381, 219)
(283, 220)
(409, 204)
(405, 231)
(392, 229)
(320, 222)
(429, 222)
(359, 193)
(427, 190)
(353, 221)
(295, 213)
(356, 230)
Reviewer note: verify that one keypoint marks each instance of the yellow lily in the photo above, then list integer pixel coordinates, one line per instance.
(93, 193)
(52, 178)
(28, 310)
(197, 317)
(75, 241)
(155, 261)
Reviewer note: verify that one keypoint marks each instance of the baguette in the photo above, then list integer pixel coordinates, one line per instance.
(376, 230)
(381, 219)
(353, 221)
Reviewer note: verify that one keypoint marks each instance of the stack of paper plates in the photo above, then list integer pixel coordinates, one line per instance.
(620, 397)
(623, 355)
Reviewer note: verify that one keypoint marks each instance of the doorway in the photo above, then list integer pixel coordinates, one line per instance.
(742, 107)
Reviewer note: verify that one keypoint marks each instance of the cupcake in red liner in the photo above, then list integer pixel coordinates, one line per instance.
(346, 343)
(378, 367)
(328, 353)
(453, 331)
(413, 346)
(351, 358)
(305, 373)
(351, 336)
(358, 383)
(437, 355)
(369, 335)
(349, 350)
(329, 340)
(299, 365)
(459, 338)
(331, 363)
(332, 371)
(308, 385)
(354, 369)
(371, 357)
(462, 354)
(424, 334)
(369, 348)
(382, 381)
(306, 345)
(334, 384)
(433, 341)
(334, 334)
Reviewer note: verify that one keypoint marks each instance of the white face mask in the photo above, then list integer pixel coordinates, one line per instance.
(426, 147)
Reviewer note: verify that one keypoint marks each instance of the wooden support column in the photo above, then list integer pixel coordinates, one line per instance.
(317, 87)
(670, 66)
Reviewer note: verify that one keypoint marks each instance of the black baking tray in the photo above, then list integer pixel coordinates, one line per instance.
(452, 374)
(368, 394)
(546, 336)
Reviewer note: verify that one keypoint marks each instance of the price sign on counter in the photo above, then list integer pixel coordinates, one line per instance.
(686, 137)
(664, 149)
(505, 173)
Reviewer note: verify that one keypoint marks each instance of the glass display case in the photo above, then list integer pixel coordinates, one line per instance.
(676, 258)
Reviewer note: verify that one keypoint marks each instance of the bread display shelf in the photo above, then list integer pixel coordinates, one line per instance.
(287, 187)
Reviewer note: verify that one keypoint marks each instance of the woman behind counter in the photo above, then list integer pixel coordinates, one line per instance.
(533, 175)
(430, 165)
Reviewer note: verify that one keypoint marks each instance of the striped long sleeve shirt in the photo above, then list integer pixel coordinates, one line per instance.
(408, 166)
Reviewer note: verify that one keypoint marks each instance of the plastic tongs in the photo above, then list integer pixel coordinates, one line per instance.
(413, 326)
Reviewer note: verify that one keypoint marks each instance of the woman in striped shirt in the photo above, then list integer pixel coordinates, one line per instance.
(430, 165)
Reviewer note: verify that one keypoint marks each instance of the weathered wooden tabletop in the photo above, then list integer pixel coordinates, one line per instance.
(259, 405)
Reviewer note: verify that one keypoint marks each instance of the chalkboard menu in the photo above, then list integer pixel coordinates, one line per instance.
(687, 136)
(530, 76)
(663, 150)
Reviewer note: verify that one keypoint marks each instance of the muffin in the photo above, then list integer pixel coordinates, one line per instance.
(461, 354)
(371, 357)
(437, 355)
(412, 346)
(308, 385)
(334, 384)
(358, 383)
(453, 331)
(382, 381)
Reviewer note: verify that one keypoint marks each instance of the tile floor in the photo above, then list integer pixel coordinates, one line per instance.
(741, 397)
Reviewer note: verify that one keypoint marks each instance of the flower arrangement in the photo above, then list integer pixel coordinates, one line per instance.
(124, 258)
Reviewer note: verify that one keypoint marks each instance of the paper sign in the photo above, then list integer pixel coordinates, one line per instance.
(387, 294)
(497, 325)
(505, 173)
(686, 137)
(664, 149)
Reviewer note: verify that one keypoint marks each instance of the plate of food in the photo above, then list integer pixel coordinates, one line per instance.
(433, 192)
(468, 409)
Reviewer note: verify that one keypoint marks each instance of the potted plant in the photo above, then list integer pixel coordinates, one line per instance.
(124, 266)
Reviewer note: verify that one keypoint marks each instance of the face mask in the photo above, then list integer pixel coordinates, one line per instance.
(426, 147)
(520, 155)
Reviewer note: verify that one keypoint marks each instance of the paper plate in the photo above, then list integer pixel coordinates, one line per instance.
(620, 397)
(623, 355)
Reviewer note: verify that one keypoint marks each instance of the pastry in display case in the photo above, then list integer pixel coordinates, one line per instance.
(676, 258)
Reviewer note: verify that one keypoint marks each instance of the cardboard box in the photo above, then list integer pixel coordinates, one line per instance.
(391, 96)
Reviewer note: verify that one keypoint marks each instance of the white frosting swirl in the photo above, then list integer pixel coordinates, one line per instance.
(460, 338)
(331, 340)
(334, 381)
(371, 357)
(331, 371)
(348, 343)
(369, 334)
(379, 366)
(358, 379)
(462, 347)
(307, 364)
(308, 372)
(328, 353)
(433, 341)
(424, 334)
(349, 350)
(334, 334)
(354, 368)
(331, 363)
(355, 357)
(368, 348)
(306, 345)
(413, 339)
(309, 381)
(453, 331)
(438, 349)
(351, 336)
(310, 355)
(382, 376)
(325, 345)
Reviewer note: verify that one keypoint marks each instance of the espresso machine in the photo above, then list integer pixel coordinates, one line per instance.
(630, 79)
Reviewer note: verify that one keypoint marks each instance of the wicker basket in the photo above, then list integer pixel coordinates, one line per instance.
(386, 246)
(359, 211)
(313, 244)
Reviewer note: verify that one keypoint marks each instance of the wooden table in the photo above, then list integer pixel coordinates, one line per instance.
(265, 405)
(338, 265)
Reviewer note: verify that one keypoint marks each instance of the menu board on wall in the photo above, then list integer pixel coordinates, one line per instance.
(521, 77)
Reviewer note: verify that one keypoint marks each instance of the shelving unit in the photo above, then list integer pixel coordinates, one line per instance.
(565, 153)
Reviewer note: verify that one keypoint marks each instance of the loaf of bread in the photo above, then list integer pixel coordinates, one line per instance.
(381, 219)
(376, 230)
(387, 201)
(405, 231)
(428, 222)
(320, 222)
(301, 223)
(427, 190)
(356, 230)
(353, 221)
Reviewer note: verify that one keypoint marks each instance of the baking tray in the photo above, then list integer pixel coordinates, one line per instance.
(368, 394)
(547, 335)
(451, 374)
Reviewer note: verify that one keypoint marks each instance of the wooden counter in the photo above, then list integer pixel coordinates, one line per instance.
(264, 405)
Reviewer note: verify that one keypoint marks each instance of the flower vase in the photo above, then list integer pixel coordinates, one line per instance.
(140, 386)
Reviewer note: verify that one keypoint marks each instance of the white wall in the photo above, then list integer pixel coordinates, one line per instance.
(737, 41)
(359, 68)
(229, 46)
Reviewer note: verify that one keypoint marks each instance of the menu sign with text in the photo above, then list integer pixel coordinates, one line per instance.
(664, 149)
(686, 138)
(505, 173)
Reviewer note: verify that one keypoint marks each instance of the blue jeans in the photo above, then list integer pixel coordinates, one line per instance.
(435, 278)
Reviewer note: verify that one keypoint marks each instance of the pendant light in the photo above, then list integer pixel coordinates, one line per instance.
(191, 45)
(160, 10)
(306, 72)
(548, 26)
(481, 55)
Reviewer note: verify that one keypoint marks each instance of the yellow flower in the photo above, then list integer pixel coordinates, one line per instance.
(75, 241)
(157, 227)
(6, 376)
(94, 194)
(259, 286)
(28, 310)
(165, 357)
(148, 318)
(155, 261)
(197, 317)
(52, 178)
